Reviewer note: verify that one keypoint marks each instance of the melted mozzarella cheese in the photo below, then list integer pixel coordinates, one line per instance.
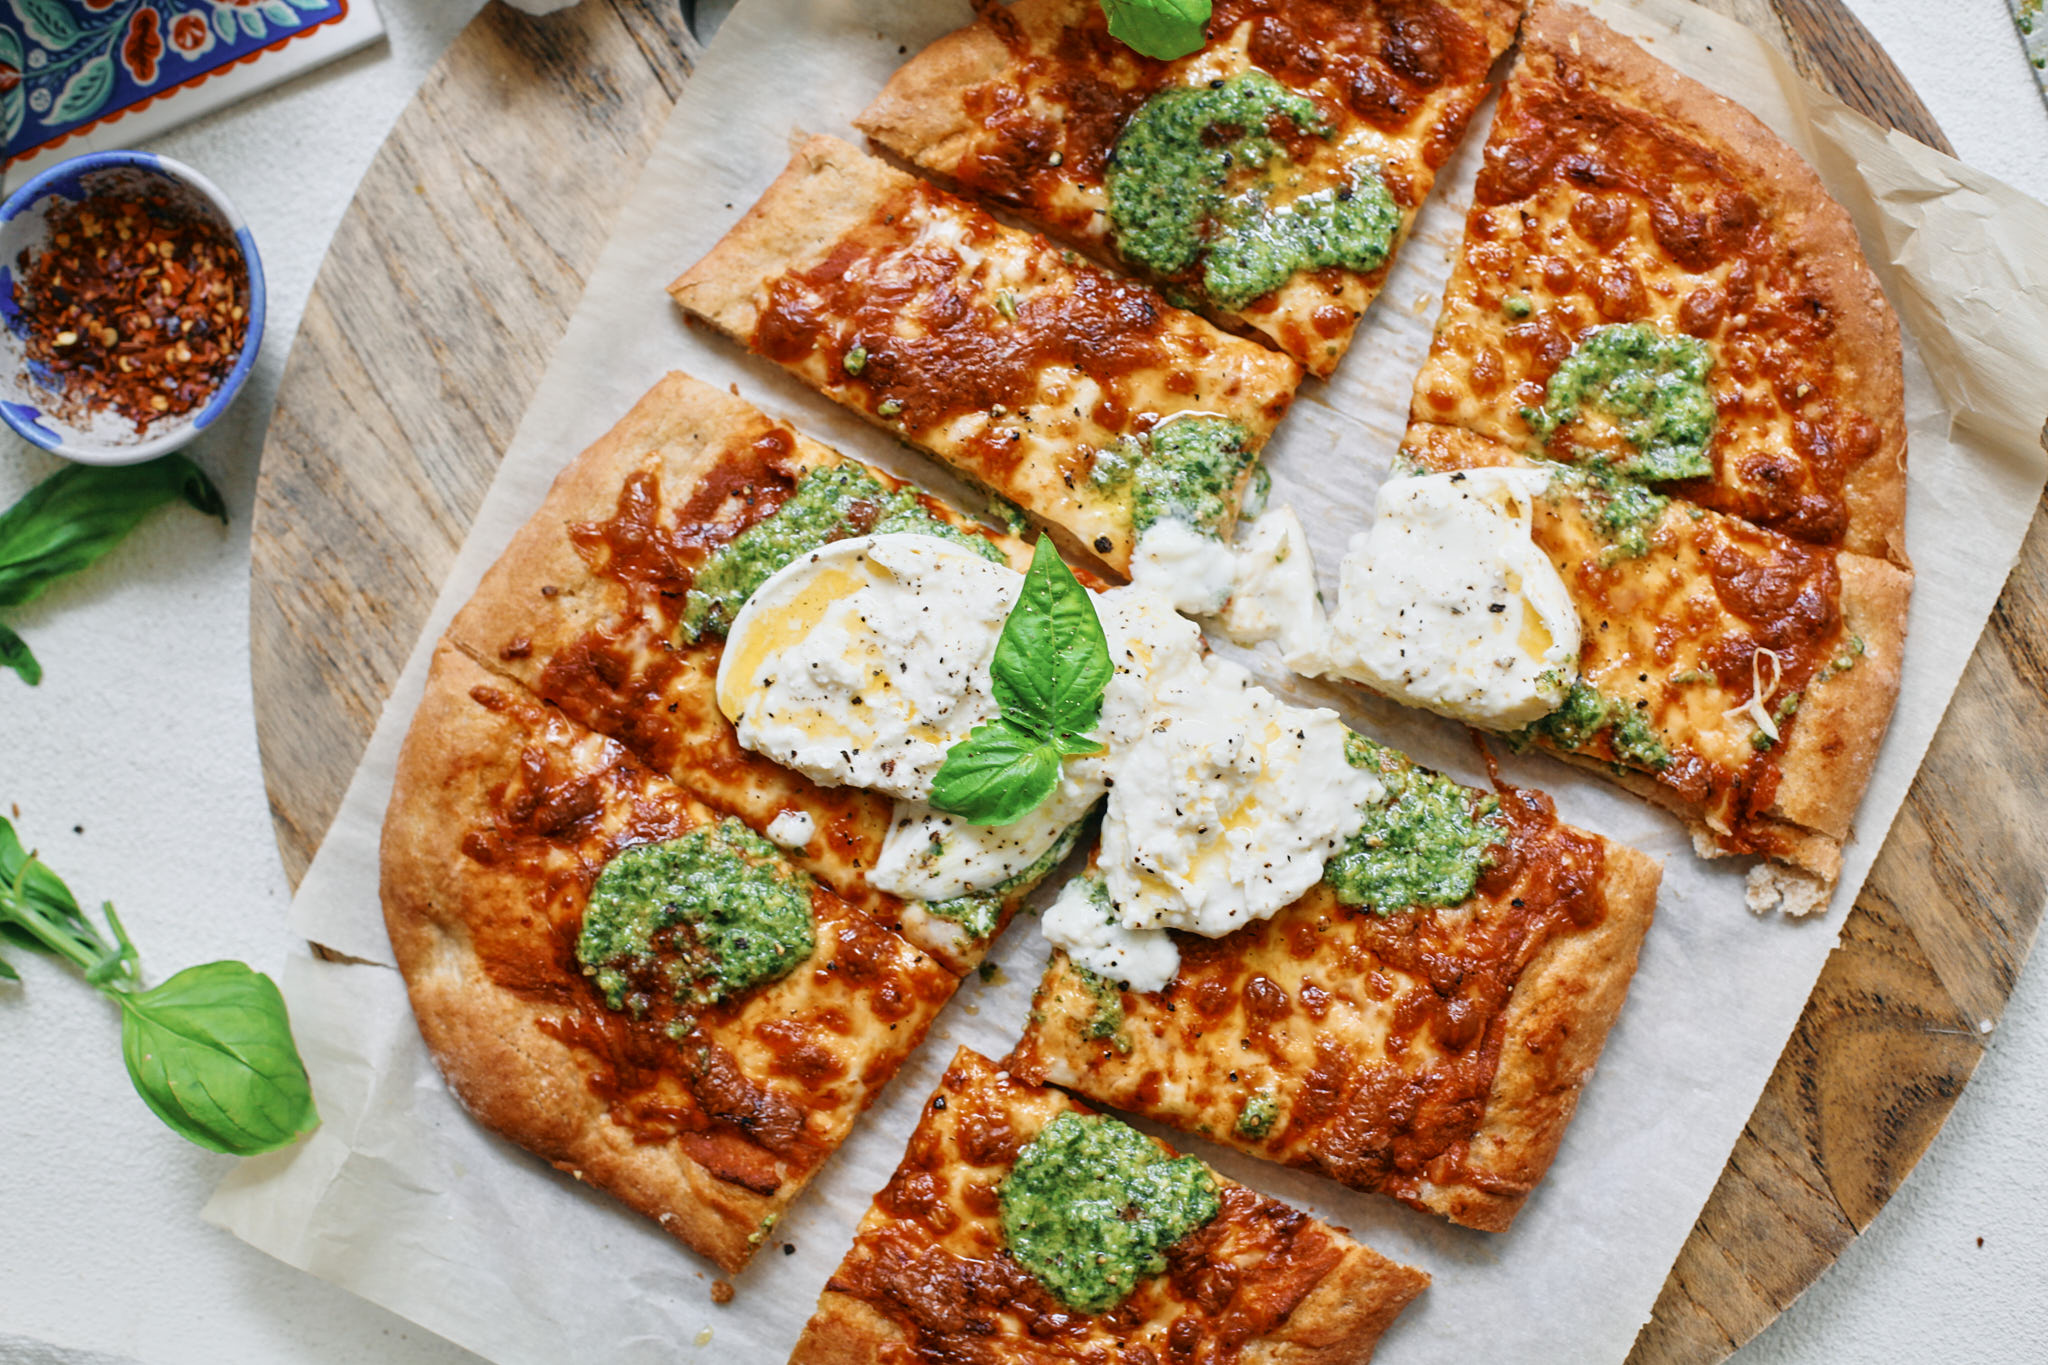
(1274, 596)
(1448, 604)
(860, 663)
(1190, 568)
(1084, 922)
(1227, 804)
(931, 856)
(792, 829)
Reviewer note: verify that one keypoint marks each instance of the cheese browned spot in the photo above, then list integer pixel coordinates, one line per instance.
(1616, 192)
(994, 350)
(708, 1115)
(1433, 1054)
(1026, 106)
(931, 1277)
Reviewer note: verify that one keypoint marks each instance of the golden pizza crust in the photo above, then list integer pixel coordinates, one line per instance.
(1336, 1318)
(932, 115)
(499, 1036)
(837, 210)
(1557, 1022)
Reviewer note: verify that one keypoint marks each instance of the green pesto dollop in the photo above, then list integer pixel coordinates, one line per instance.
(1191, 190)
(1424, 843)
(700, 919)
(1585, 715)
(1650, 384)
(1623, 511)
(1105, 1021)
(1185, 468)
(1257, 1117)
(977, 912)
(1092, 1205)
(828, 503)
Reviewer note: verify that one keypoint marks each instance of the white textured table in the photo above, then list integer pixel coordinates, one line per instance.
(141, 739)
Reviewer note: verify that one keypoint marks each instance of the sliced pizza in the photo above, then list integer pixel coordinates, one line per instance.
(1022, 1227)
(1656, 288)
(1418, 1024)
(613, 602)
(621, 980)
(1735, 675)
(1267, 178)
(1083, 398)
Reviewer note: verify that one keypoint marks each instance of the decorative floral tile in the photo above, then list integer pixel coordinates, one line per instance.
(82, 75)
(2032, 23)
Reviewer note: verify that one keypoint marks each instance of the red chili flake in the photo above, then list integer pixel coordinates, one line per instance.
(137, 304)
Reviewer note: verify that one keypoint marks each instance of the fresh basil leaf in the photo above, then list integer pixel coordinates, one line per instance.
(1078, 746)
(997, 775)
(14, 654)
(1164, 29)
(1052, 660)
(43, 889)
(211, 1052)
(80, 512)
(8, 973)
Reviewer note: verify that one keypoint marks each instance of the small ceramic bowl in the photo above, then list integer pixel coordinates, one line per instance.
(34, 410)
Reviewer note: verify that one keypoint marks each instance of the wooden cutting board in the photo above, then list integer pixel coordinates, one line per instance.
(451, 279)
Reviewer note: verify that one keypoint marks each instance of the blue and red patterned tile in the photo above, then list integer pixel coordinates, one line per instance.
(82, 75)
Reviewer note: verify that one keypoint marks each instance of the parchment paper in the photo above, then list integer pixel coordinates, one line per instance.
(405, 1200)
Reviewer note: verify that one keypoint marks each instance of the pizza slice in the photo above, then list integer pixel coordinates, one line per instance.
(1655, 288)
(612, 603)
(1022, 1227)
(1734, 675)
(1267, 178)
(1081, 397)
(1418, 1024)
(614, 976)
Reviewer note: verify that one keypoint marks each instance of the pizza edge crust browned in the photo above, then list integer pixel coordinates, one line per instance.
(1556, 1024)
(1339, 1321)
(1803, 215)
(513, 1077)
(828, 189)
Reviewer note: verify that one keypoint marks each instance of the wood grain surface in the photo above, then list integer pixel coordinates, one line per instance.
(454, 274)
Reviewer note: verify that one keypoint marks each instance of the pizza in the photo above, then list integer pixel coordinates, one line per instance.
(625, 982)
(1419, 1024)
(1657, 302)
(1267, 179)
(1652, 282)
(1079, 396)
(1022, 1227)
(611, 604)
(1734, 675)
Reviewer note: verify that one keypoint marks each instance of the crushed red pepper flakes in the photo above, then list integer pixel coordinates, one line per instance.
(136, 303)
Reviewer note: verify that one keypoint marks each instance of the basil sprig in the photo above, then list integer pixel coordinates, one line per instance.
(1164, 29)
(76, 515)
(1048, 674)
(210, 1050)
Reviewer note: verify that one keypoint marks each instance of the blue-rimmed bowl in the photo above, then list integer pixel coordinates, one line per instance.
(39, 411)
